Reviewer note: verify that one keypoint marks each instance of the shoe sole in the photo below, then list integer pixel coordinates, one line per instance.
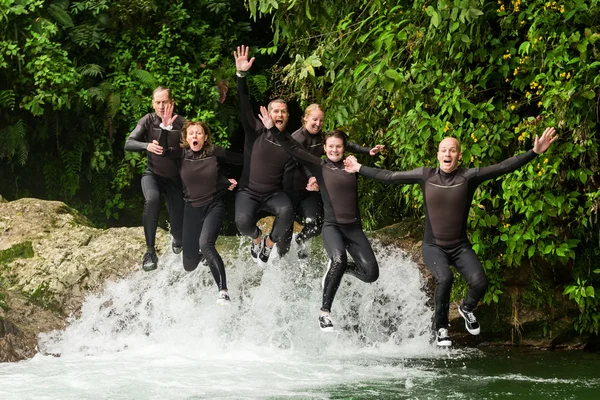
(224, 303)
(473, 332)
(445, 343)
(151, 267)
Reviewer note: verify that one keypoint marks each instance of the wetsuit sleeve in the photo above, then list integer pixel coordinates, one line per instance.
(137, 138)
(385, 176)
(357, 148)
(250, 123)
(506, 166)
(294, 148)
(228, 156)
(305, 171)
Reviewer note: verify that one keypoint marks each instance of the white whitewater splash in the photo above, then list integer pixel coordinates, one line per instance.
(162, 335)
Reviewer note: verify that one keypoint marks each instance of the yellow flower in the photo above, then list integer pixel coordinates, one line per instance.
(512, 107)
(520, 138)
(540, 38)
(569, 75)
(540, 173)
(562, 74)
(472, 159)
(540, 104)
(562, 8)
(545, 161)
(392, 106)
(506, 80)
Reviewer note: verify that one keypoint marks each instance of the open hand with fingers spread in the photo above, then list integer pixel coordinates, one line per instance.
(265, 118)
(376, 150)
(541, 144)
(242, 64)
(167, 116)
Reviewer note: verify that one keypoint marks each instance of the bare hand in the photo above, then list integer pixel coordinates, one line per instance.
(233, 184)
(167, 117)
(312, 185)
(154, 147)
(241, 58)
(351, 164)
(376, 150)
(265, 118)
(541, 144)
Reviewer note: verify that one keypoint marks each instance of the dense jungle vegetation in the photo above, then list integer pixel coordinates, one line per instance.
(75, 76)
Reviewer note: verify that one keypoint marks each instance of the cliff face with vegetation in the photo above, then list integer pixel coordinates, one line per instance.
(50, 258)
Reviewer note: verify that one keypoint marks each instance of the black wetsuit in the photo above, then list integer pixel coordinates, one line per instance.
(447, 200)
(204, 186)
(261, 184)
(342, 228)
(308, 204)
(161, 177)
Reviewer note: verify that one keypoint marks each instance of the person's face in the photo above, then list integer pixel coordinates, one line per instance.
(313, 122)
(196, 137)
(160, 101)
(449, 154)
(279, 115)
(334, 149)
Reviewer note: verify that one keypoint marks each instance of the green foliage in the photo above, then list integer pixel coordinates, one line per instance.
(43, 297)
(20, 250)
(406, 74)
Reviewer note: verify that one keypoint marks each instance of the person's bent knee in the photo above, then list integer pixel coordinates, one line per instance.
(207, 248)
(372, 273)
(245, 224)
(190, 264)
(479, 283)
(445, 280)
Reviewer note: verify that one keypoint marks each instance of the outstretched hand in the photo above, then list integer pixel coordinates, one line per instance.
(376, 150)
(241, 58)
(541, 144)
(265, 118)
(167, 116)
(351, 164)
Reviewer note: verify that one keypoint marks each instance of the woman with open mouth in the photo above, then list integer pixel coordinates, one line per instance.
(204, 186)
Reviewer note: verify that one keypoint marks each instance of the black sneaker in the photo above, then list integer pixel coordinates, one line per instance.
(325, 323)
(265, 251)
(442, 338)
(470, 321)
(176, 247)
(255, 249)
(223, 299)
(150, 261)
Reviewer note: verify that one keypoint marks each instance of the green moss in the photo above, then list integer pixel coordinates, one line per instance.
(43, 297)
(3, 304)
(20, 250)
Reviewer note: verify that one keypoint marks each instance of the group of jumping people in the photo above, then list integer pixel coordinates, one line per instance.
(304, 175)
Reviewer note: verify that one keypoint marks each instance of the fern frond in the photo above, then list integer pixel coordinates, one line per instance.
(257, 87)
(60, 15)
(13, 142)
(145, 77)
(91, 70)
(7, 99)
(113, 103)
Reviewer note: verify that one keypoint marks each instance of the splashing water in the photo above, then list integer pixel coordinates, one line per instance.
(162, 335)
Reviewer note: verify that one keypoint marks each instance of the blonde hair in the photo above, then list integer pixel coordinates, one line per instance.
(208, 146)
(309, 109)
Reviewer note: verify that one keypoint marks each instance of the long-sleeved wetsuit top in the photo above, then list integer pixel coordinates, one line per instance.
(264, 159)
(202, 180)
(448, 197)
(148, 129)
(296, 176)
(338, 188)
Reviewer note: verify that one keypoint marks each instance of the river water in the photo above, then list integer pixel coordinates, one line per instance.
(160, 335)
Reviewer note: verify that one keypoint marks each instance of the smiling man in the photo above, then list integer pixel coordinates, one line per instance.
(447, 195)
(261, 183)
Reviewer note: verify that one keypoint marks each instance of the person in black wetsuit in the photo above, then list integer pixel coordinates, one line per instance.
(342, 227)
(204, 187)
(301, 186)
(447, 194)
(158, 135)
(261, 183)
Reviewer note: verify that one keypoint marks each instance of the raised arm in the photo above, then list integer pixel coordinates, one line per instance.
(357, 148)
(540, 145)
(382, 175)
(243, 65)
(287, 142)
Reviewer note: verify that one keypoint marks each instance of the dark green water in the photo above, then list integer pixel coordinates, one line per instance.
(489, 374)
